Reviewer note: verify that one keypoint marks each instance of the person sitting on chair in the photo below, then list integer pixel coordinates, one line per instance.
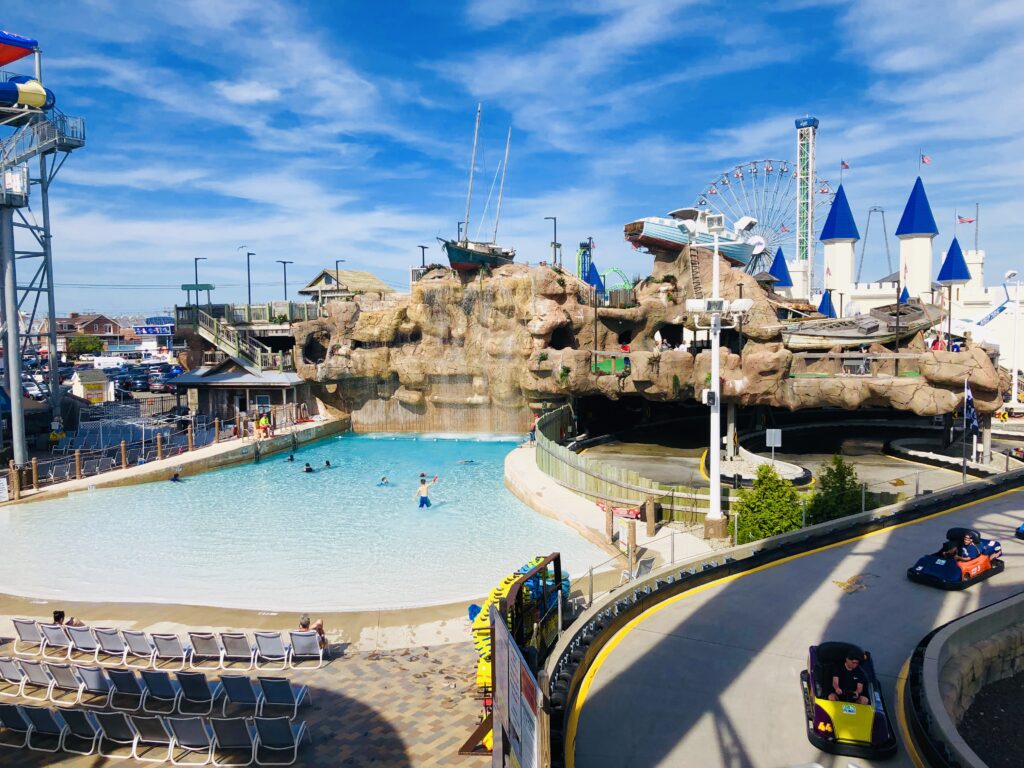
(968, 550)
(849, 683)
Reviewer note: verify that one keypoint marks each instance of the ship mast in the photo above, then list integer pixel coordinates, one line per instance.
(501, 189)
(472, 167)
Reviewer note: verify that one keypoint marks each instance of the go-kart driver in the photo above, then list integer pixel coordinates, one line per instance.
(968, 550)
(849, 683)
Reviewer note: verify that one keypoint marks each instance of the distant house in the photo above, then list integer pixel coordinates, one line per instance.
(101, 326)
(333, 284)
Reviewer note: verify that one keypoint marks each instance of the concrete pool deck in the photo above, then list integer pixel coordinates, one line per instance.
(216, 456)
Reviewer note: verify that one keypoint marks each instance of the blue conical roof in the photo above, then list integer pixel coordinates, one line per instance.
(826, 307)
(905, 296)
(954, 269)
(840, 224)
(917, 216)
(780, 271)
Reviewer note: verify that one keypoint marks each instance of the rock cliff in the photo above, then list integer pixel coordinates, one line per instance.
(482, 352)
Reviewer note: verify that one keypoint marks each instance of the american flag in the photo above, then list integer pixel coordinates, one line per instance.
(783, 228)
(844, 165)
(971, 426)
(925, 159)
(964, 220)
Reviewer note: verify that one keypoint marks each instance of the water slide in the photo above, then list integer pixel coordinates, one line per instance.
(711, 677)
(18, 90)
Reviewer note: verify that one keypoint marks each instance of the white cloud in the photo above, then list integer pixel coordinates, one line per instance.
(246, 91)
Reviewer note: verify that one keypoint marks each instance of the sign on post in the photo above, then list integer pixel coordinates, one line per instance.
(773, 439)
(516, 701)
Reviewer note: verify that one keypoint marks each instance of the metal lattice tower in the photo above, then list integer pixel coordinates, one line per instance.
(806, 130)
(34, 152)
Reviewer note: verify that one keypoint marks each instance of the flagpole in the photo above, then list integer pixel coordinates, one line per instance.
(964, 436)
(841, 161)
(920, 154)
(976, 219)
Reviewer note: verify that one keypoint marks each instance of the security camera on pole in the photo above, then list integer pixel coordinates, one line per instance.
(714, 522)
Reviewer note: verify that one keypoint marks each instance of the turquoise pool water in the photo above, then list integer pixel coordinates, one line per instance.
(269, 537)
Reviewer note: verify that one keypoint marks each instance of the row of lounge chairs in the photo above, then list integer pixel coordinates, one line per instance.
(153, 691)
(110, 647)
(109, 442)
(180, 741)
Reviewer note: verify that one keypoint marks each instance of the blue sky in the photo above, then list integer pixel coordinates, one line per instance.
(312, 131)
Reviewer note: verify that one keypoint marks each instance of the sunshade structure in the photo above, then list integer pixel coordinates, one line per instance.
(780, 271)
(825, 307)
(14, 47)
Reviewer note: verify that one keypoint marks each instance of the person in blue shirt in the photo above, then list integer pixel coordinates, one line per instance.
(968, 550)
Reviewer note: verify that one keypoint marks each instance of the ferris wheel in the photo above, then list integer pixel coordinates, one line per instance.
(766, 190)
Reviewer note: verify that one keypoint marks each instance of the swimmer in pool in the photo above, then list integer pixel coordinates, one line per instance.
(307, 468)
(383, 481)
(423, 491)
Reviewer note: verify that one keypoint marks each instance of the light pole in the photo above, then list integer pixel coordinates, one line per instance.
(1016, 321)
(337, 279)
(248, 275)
(714, 518)
(423, 256)
(195, 265)
(554, 241)
(284, 265)
(459, 238)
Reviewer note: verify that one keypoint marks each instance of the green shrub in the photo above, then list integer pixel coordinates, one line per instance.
(771, 507)
(542, 357)
(675, 385)
(563, 372)
(838, 493)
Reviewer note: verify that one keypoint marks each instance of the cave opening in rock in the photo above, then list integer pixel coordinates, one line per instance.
(672, 335)
(562, 338)
(413, 337)
(625, 336)
(314, 350)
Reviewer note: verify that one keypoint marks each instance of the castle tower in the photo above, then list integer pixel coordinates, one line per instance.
(803, 277)
(916, 231)
(839, 235)
(783, 282)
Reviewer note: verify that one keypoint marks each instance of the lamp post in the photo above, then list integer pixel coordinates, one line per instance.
(195, 264)
(714, 516)
(248, 275)
(459, 238)
(1010, 275)
(284, 265)
(423, 256)
(554, 241)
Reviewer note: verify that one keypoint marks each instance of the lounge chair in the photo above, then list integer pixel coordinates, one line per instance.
(193, 735)
(37, 677)
(169, 648)
(161, 688)
(84, 642)
(278, 734)
(279, 692)
(46, 723)
(126, 686)
(643, 568)
(62, 445)
(140, 647)
(153, 735)
(96, 685)
(65, 682)
(238, 689)
(106, 464)
(133, 457)
(60, 472)
(195, 689)
(237, 649)
(11, 675)
(205, 648)
(306, 645)
(12, 721)
(28, 634)
(233, 734)
(82, 726)
(112, 646)
(55, 639)
(90, 467)
(115, 728)
(270, 647)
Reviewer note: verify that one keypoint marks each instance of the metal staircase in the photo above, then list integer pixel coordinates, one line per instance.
(238, 344)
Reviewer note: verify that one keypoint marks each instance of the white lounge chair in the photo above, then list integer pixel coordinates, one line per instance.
(126, 685)
(13, 721)
(56, 643)
(239, 690)
(306, 645)
(11, 675)
(195, 689)
(237, 649)
(279, 692)
(205, 648)
(83, 642)
(140, 647)
(38, 678)
(151, 734)
(65, 682)
(112, 648)
(160, 688)
(192, 735)
(278, 734)
(270, 647)
(28, 635)
(96, 685)
(116, 728)
(46, 723)
(170, 648)
(82, 726)
(233, 734)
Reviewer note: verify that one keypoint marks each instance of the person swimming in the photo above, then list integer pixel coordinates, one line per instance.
(290, 458)
(307, 468)
(466, 461)
(383, 481)
(327, 464)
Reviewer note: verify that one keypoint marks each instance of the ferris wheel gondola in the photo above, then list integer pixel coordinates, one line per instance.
(765, 190)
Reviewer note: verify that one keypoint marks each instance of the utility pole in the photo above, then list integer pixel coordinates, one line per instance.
(423, 255)
(284, 265)
(248, 275)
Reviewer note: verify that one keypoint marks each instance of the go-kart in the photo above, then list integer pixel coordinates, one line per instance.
(1020, 532)
(845, 727)
(944, 571)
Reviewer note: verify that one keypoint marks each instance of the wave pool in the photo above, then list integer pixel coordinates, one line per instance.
(268, 536)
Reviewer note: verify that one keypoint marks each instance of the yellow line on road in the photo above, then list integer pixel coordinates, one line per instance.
(908, 739)
(605, 652)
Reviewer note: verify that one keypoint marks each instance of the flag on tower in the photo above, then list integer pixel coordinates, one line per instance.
(925, 159)
(844, 165)
(783, 228)
(971, 426)
(964, 220)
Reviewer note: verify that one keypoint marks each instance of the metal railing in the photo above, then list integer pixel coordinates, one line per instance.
(239, 343)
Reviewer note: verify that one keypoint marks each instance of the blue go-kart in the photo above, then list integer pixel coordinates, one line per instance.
(944, 570)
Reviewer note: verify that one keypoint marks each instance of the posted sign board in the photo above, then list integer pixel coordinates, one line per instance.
(516, 702)
(773, 438)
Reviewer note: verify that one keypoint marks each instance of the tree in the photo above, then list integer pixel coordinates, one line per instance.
(838, 493)
(769, 508)
(85, 345)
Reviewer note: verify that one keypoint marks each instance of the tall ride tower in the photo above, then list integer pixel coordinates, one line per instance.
(806, 131)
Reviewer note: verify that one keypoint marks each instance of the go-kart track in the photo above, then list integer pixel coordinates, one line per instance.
(711, 677)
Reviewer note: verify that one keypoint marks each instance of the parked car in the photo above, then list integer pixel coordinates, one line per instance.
(162, 383)
(137, 382)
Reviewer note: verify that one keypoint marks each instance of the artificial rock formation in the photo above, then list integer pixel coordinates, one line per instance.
(483, 352)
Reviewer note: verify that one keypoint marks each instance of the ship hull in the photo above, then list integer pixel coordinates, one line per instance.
(806, 341)
(464, 259)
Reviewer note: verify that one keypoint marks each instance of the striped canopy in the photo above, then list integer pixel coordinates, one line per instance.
(14, 47)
